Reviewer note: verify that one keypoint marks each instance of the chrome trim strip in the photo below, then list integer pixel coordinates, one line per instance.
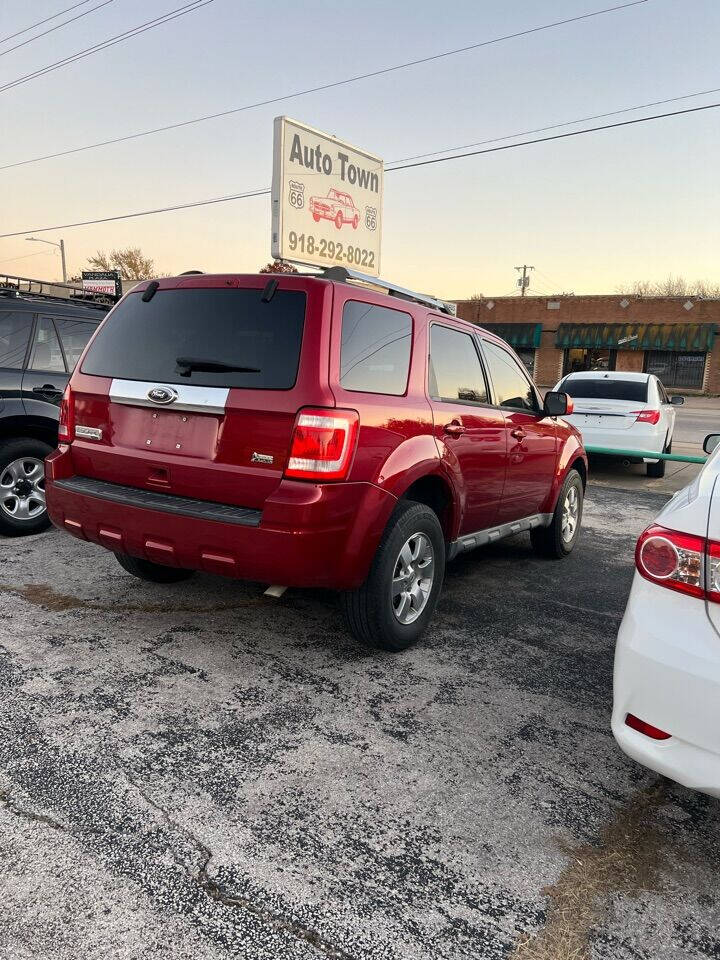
(471, 540)
(196, 399)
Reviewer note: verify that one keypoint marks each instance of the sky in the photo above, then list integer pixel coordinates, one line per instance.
(592, 213)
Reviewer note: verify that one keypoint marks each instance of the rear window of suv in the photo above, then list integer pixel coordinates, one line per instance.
(232, 328)
(602, 389)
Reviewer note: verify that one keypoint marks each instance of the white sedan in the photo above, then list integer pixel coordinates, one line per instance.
(623, 412)
(666, 705)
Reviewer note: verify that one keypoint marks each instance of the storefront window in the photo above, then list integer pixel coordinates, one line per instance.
(579, 359)
(527, 355)
(677, 370)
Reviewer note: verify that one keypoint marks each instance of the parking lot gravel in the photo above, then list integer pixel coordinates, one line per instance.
(198, 771)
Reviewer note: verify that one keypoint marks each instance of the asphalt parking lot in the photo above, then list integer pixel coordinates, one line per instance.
(197, 771)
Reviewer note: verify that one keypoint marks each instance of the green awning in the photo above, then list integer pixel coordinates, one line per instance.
(517, 334)
(685, 337)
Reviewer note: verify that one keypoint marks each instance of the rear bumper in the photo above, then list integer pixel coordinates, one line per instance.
(308, 535)
(667, 672)
(643, 437)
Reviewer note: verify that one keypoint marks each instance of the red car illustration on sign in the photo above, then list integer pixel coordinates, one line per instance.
(336, 206)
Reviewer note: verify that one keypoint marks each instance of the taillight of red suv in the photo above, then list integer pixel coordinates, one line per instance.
(323, 444)
(680, 561)
(66, 423)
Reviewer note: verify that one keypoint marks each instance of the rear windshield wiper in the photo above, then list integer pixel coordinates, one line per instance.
(185, 366)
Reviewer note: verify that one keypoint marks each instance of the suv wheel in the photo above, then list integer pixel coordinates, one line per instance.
(394, 606)
(152, 572)
(558, 540)
(22, 487)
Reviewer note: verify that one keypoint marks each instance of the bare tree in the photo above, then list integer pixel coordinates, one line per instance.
(279, 266)
(131, 262)
(673, 287)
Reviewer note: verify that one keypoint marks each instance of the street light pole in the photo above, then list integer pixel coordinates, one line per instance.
(61, 248)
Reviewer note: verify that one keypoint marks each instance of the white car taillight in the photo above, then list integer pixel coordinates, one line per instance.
(646, 416)
(680, 561)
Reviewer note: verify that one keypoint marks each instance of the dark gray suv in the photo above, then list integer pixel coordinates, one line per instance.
(41, 339)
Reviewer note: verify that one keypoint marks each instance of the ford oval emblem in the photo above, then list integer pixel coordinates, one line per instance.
(162, 395)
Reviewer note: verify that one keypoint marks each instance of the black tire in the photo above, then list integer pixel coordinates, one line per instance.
(657, 470)
(549, 541)
(11, 452)
(369, 610)
(152, 572)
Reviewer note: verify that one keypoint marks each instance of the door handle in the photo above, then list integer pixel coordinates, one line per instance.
(47, 388)
(454, 428)
(518, 433)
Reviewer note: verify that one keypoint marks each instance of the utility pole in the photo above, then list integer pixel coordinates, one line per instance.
(62, 257)
(61, 248)
(524, 281)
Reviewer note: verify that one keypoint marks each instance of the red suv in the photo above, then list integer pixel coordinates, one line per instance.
(308, 431)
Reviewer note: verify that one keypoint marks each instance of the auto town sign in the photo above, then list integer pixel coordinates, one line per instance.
(326, 200)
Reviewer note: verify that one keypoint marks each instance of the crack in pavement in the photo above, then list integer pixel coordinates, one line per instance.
(213, 889)
(627, 859)
(7, 801)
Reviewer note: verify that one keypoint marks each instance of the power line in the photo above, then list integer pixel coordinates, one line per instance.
(317, 89)
(27, 256)
(556, 126)
(41, 22)
(556, 136)
(105, 44)
(57, 26)
(144, 213)
(423, 163)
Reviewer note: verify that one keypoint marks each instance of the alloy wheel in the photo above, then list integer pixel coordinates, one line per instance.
(22, 489)
(570, 514)
(413, 576)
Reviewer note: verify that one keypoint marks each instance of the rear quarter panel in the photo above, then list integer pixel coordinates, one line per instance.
(396, 444)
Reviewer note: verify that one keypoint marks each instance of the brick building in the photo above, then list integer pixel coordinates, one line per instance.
(673, 337)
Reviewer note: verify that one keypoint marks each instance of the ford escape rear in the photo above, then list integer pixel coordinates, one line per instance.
(308, 432)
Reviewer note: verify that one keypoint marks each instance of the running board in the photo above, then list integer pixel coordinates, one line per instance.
(471, 540)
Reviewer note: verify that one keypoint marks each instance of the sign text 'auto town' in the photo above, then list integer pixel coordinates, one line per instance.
(326, 200)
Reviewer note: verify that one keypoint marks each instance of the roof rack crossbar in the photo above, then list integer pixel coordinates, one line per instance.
(393, 289)
(32, 287)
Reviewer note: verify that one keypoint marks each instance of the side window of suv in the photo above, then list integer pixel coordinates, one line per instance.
(74, 335)
(46, 353)
(375, 351)
(455, 373)
(512, 387)
(14, 335)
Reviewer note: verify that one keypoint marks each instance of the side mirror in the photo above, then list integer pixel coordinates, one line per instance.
(677, 401)
(711, 442)
(557, 404)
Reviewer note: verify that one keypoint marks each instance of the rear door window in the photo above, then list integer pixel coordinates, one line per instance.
(224, 338)
(602, 388)
(375, 350)
(46, 353)
(74, 335)
(455, 373)
(14, 335)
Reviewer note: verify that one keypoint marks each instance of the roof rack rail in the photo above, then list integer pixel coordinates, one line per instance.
(11, 286)
(343, 274)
